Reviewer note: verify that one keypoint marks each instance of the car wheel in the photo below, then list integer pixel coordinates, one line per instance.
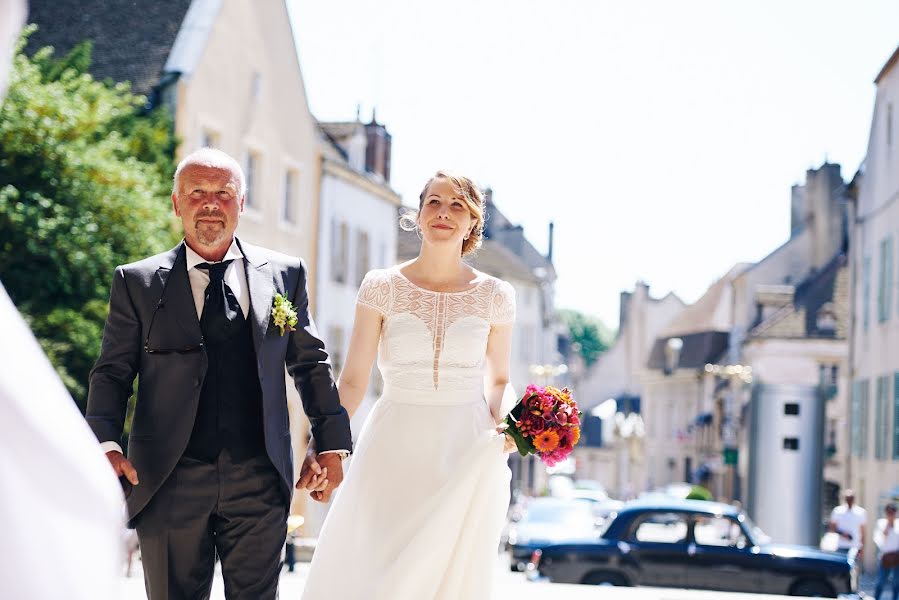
(604, 578)
(816, 589)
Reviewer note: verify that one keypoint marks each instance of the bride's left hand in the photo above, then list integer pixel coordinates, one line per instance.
(509, 445)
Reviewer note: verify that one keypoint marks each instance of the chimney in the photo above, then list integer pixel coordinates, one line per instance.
(549, 252)
(377, 151)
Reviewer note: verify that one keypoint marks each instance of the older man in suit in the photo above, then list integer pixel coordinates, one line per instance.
(209, 462)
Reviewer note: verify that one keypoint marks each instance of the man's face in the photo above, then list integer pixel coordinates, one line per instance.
(850, 500)
(209, 205)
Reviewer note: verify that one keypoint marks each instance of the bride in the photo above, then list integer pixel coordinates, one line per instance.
(420, 512)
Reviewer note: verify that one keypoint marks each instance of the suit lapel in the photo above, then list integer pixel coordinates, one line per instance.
(262, 292)
(176, 301)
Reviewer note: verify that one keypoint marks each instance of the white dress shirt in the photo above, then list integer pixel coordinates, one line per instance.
(849, 520)
(235, 277)
(889, 541)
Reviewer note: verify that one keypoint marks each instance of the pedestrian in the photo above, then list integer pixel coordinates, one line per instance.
(848, 521)
(886, 538)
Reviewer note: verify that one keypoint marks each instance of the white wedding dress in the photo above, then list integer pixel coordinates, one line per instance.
(420, 512)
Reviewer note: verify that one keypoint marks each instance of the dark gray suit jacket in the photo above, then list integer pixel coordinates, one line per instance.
(171, 363)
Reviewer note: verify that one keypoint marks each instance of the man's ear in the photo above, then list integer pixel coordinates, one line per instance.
(175, 204)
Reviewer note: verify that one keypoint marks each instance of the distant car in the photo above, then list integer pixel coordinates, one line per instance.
(589, 490)
(546, 521)
(695, 544)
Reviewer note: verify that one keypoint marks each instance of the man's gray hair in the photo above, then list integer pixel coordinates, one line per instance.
(212, 157)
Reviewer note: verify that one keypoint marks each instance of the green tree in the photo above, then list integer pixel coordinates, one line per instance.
(85, 175)
(589, 333)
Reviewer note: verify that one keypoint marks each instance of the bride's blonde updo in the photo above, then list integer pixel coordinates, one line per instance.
(470, 194)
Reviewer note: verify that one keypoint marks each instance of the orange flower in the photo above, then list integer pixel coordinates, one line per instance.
(575, 435)
(546, 441)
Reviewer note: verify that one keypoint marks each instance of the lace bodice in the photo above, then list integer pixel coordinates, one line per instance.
(434, 340)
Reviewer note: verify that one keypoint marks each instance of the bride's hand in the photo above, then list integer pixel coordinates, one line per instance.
(312, 476)
(509, 446)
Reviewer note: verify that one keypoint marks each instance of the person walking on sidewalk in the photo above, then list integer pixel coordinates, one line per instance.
(886, 538)
(848, 520)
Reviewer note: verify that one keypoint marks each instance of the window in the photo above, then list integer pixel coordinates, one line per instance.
(363, 264)
(895, 416)
(209, 139)
(859, 416)
(791, 408)
(340, 241)
(251, 172)
(889, 127)
(885, 280)
(866, 292)
(882, 418)
(791, 443)
(661, 528)
(719, 531)
(288, 201)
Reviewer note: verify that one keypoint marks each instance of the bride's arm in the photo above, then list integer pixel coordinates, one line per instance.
(360, 357)
(500, 394)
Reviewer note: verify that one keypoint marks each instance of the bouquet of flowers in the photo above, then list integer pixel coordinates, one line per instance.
(545, 422)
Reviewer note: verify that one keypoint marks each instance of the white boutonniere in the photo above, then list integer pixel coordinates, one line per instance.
(284, 314)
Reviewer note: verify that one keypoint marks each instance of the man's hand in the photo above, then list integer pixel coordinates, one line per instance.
(331, 465)
(312, 476)
(320, 474)
(122, 466)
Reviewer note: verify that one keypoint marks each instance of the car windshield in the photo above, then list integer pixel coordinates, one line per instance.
(758, 536)
(577, 513)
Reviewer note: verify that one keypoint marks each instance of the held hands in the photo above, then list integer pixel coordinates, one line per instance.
(122, 466)
(320, 474)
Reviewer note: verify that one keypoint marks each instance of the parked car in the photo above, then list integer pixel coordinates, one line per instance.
(694, 544)
(546, 521)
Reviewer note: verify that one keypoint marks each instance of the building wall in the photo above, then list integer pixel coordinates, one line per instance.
(875, 339)
(670, 404)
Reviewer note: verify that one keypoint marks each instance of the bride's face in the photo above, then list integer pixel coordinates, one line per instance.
(444, 217)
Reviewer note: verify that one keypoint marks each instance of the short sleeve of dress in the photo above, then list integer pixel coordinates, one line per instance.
(375, 291)
(502, 306)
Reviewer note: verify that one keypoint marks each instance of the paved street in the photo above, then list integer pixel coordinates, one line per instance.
(510, 586)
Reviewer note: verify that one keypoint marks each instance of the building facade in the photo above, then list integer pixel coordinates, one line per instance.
(612, 396)
(874, 362)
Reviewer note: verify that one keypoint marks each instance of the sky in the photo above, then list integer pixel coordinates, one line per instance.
(662, 138)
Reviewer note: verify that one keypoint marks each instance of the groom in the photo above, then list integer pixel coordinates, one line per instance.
(209, 455)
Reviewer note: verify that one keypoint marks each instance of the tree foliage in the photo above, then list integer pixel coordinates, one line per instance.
(590, 335)
(85, 175)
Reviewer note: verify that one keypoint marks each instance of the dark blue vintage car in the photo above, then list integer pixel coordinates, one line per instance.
(695, 544)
